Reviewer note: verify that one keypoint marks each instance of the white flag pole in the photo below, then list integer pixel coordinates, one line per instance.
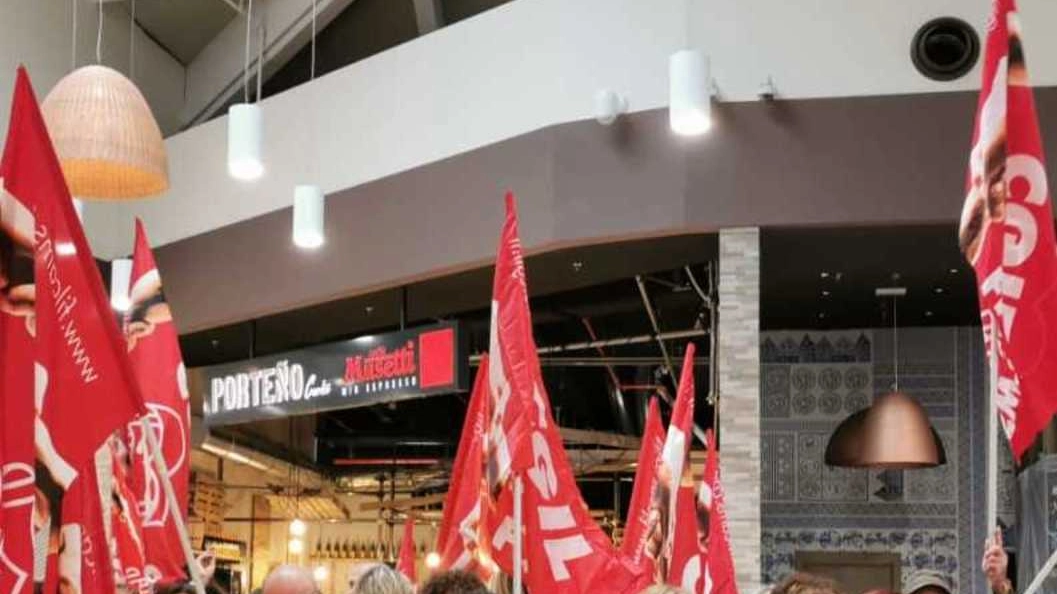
(992, 432)
(1040, 577)
(519, 491)
(174, 506)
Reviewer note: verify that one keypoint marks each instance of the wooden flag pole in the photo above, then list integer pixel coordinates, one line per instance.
(174, 506)
(519, 491)
(992, 432)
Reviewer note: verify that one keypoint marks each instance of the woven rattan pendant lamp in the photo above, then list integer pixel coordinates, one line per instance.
(104, 133)
(106, 137)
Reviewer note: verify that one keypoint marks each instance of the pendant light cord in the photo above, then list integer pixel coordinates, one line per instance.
(312, 68)
(132, 44)
(246, 62)
(895, 340)
(99, 37)
(73, 44)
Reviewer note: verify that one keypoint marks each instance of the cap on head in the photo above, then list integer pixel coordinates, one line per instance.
(928, 579)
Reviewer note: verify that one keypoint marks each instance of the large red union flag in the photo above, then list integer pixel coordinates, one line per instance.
(639, 510)
(713, 529)
(87, 388)
(565, 551)
(83, 388)
(1007, 234)
(462, 541)
(154, 349)
(678, 554)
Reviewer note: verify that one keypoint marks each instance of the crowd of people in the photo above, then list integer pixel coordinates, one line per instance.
(379, 578)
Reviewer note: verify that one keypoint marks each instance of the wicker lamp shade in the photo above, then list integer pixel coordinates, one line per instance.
(105, 135)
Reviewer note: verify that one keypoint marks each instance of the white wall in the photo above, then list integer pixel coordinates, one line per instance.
(38, 34)
(534, 63)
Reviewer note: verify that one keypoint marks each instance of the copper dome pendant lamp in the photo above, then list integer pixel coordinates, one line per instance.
(894, 432)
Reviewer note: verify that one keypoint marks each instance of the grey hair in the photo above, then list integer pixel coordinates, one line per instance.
(380, 579)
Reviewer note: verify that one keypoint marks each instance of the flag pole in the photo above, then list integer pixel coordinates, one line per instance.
(519, 491)
(1043, 574)
(174, 506)
(992, 431)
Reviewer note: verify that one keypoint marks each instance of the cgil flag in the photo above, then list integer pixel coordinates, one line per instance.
(637, 528)
(154, 350)
(405, 563)
(127, 529)
(462, 541)
(82, 387)
(565, 551)
(713, 531)
(1007, 234)
(675, 538)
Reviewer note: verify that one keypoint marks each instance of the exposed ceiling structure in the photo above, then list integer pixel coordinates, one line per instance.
(184, 27)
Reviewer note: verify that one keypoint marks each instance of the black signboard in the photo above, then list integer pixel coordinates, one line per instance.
(358, 372)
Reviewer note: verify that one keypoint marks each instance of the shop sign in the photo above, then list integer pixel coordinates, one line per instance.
(348, 374)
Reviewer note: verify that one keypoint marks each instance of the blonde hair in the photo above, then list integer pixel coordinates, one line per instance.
(382, 580)
(663, 589)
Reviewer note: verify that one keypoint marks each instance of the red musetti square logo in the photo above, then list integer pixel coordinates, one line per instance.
(436, 358)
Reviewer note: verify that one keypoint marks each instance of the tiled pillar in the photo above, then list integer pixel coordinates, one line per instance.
(739, 390)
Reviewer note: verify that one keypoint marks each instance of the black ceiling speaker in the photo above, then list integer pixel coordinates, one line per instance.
(945, 48)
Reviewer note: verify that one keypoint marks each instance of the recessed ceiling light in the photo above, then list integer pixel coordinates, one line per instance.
(928, 314)
(953, 271)
(825, 293)
(938, 290)
(369, 309)
(822, 315)
(578, 266)
(824, 274)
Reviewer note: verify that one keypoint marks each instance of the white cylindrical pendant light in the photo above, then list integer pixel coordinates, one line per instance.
(120, 278)
(689, 98)
(245, 138)
(308, 216)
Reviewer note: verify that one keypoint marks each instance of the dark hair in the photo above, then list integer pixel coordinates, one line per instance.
(805, 583)
(175, 587)
(453, 582)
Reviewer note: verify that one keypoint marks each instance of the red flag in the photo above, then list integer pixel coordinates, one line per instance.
(564, 549)
(674, 494)
(638, 521)
(154, 350)
(84, 565)
(405, 564)
(83, 386)
(1007, 234)
(462, 541)
(713, 530)
(17, 332)
(128, 534)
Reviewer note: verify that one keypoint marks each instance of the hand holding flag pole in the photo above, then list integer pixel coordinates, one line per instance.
(161, 468)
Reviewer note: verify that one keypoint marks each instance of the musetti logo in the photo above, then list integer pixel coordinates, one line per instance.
(423, 362)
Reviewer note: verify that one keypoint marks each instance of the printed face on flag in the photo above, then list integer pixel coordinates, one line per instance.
(149, 309)
(17, 291)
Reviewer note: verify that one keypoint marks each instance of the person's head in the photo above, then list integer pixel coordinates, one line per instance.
(805, 583)
(174, 587)
(356, 572)
(663, 589)
(288, 579)
(501, 583)
(380, 579)
(453, 582)
(928, 581)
